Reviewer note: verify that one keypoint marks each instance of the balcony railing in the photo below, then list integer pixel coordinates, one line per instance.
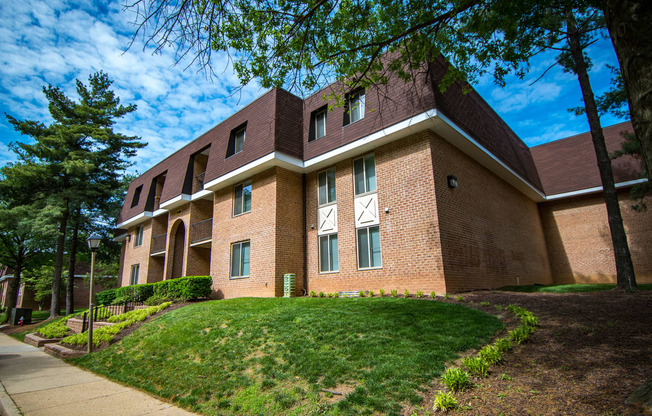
(200, 180)
(202, 230)
(158, 243)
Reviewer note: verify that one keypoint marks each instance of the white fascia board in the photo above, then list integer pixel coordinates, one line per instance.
(389, 134)
(203, 194)
(268, 161)
(120, 237)
(176, 201)
(483, 156)
(160, 212)
(142, 217)
(593, 190)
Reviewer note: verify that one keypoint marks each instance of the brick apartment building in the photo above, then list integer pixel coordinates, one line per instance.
(403, 188)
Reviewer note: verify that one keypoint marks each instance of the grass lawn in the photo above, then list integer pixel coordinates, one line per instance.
(276, 356)
(567, 288)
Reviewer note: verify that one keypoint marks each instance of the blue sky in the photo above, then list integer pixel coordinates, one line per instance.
(56, 41)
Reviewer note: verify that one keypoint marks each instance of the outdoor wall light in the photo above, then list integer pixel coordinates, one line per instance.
(312, 226)
(452, 181)
(387, 210)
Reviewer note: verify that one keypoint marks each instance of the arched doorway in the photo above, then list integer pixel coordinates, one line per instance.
(179, 249)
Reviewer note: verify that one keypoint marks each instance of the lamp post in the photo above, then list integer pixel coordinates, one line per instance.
(93, 244)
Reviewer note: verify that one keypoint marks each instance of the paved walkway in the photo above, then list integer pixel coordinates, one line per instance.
(36, 383)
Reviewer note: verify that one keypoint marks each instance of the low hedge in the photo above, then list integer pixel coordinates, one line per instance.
(184, 288)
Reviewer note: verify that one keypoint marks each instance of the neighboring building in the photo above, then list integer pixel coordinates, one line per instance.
(26, 296)
(404, 188)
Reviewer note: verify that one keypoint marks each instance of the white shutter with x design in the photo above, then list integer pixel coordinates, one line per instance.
(327, 219)
(366, 211)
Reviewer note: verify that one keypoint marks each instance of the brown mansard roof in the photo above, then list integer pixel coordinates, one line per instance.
(570, 164)
(279, 121)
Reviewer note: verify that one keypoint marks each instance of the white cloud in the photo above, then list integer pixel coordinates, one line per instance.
(57, 41)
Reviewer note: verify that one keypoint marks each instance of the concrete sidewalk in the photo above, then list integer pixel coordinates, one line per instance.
(35, 383)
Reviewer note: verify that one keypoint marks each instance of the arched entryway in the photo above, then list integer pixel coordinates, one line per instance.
(178, 251)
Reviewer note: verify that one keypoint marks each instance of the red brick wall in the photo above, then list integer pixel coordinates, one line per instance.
(409, 233)
(259, 227)
(136, 255)
(290, 246)
(491, 234)
(579, 241)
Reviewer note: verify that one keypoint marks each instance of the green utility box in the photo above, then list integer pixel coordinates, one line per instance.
(289, 285)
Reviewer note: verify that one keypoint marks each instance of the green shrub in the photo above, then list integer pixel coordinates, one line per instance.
(476, 365)
(485, 303)
(336, 295)
(361, 294)
(56, 329)
(371, 293)
(184, 288)
(321, 294)
(529, 319)
(313, 294)
(459, 298)
(105, 297)
(455, 379)
(394, 293)
(444, 402)
(406, 293)
(155, 300)
(491, 354)
(520, 334)
(419, 293)
(381, 292)
(447, 296)
(122, 321)
(503, 344)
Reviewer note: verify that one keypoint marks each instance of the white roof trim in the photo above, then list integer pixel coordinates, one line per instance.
(533, 192)
(135, 220)
(426, 120)
(593, 190)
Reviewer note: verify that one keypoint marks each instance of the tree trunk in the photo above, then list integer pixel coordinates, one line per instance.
(70, 287)
(624, 267)
(14, 285)
(55, 306)
(630, 29)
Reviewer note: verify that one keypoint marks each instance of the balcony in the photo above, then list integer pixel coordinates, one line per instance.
(158, 245)
(201, 231)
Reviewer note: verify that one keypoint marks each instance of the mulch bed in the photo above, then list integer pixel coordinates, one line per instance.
(589, 353)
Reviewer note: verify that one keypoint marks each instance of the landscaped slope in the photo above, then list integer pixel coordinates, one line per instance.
(295, 356)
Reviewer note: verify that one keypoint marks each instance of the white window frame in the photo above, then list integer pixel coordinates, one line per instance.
(242, 208)
(364, 172)
(138, 236)
(320, 202)
(135, 271)
(330, 268)
(320, 118)
(357, 104)
(369, 253)
(240, 275)
(239, 137)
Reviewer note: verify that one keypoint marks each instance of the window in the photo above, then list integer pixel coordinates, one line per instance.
(236, 140)
(138, 237)
(134, 274)
(240, 259)
(369, 248)
(136, 197)
(354, 107)
(364, 174)
(328, 255)
(327, 186)
(318, 123)
(242, 198)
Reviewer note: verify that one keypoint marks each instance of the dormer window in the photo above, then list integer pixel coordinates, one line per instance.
(136, 198)
(236, 140)
(318, 123)
(354, 107)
